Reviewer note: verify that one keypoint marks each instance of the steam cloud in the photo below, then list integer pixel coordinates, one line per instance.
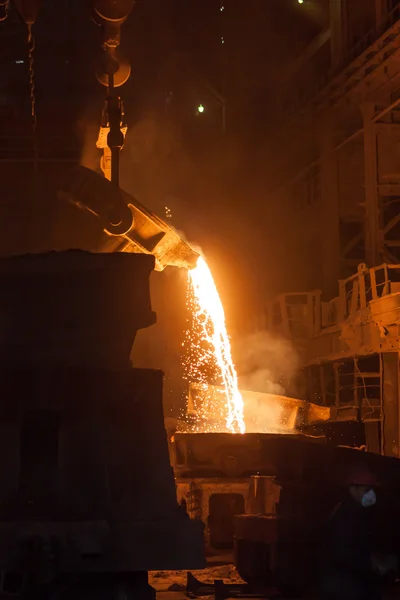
(266, 364)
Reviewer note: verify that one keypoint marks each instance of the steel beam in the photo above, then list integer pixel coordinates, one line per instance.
(392, 243)
(389, 226)
(342, 144)
(390, 405)
(350, 246)
(312, 49)
(381, 12)
(372, 437)
(329, 214)
(385, 50)
(372, 209)
(338, 23)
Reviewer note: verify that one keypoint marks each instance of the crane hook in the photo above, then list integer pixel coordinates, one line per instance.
(28, 10)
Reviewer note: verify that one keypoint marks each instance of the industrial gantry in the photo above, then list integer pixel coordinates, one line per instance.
(345, 190)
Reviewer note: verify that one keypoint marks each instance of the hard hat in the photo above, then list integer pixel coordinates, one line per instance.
(360, 474)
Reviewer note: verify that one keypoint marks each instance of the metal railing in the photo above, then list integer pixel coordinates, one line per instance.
(357, 291)
(303, 315)
(372, 36)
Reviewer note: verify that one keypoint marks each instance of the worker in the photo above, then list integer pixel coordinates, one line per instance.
(351, 568)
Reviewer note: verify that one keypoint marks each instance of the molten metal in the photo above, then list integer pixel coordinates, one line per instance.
(211, 341)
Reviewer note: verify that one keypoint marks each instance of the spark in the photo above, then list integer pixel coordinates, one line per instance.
(210, 348)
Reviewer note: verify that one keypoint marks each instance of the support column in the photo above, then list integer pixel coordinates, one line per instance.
(381, 11)
(390, 405)
(372, 245)
(339, 33)
(372, 437)
(329, 215)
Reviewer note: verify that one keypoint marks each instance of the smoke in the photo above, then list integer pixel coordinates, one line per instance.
(268, 368)
(266, 364)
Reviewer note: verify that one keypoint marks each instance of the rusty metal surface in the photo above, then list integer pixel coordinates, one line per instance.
(263, 413)
(73, 307)
(133, 228)
(264, 495)
(299, 460)
(284, 456)
(227, 454)
(257, 528)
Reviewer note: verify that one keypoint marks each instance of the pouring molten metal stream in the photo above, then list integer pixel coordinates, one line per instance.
(212, 341)
(222, 407)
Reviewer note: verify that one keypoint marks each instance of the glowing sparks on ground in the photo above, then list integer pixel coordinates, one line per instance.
(210, 343)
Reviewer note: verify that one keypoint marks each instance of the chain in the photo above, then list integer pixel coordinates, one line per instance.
(4, 6)
(31, 49)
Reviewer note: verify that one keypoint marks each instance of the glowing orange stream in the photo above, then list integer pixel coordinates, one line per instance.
(211, 319)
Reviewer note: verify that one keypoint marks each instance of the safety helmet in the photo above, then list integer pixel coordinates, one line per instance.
(360, 474)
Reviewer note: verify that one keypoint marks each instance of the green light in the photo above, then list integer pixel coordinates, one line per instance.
(200, 109)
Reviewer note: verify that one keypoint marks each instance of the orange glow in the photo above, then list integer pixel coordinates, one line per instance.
(211, 342)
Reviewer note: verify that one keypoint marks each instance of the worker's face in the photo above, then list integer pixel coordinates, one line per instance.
(363, 494)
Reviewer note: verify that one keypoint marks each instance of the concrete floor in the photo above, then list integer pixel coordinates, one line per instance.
(162, 580)
(393, 595)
